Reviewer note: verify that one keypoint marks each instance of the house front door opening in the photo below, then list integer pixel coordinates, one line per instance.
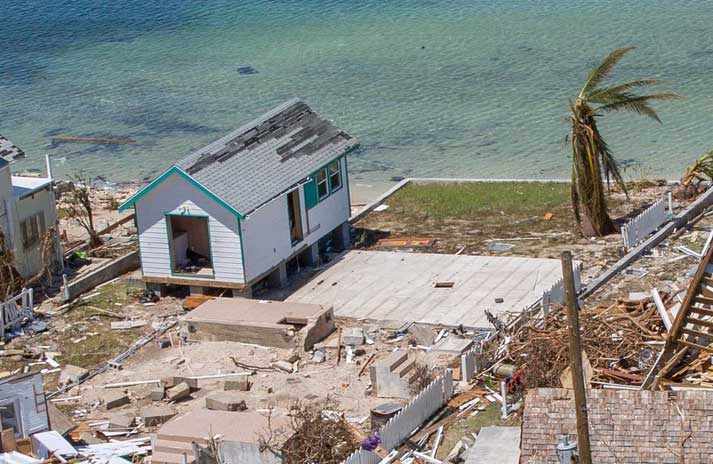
(295, 215)
(190, 245)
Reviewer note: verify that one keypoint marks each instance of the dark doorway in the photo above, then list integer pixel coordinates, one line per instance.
(295, 214)
(190, 245)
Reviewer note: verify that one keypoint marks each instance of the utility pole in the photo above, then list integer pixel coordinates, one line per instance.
(575, 355)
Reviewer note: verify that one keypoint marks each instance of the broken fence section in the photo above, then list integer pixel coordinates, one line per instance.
(469, 362)
(15, 309)
(640, 227)
(363, 456)
(409, 419)
(555, 295)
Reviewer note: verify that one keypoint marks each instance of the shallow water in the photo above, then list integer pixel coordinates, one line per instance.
(431, 88)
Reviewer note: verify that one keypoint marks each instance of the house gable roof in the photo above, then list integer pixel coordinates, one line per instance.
(258, 161)
(177, 171)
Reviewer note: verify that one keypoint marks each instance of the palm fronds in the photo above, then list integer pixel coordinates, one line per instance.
(698, 172)
(593, 162)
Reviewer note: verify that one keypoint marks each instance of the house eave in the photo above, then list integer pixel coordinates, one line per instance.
(169, 172)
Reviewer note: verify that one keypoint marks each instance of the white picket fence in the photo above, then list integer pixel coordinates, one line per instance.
(555, 295)
(362, 456)
(15, 309)
(636, 230)
(413, 415)
(468, 362)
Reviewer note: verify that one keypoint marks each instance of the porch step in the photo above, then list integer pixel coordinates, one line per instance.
(170, 458)
(405, 367)
(171, 446)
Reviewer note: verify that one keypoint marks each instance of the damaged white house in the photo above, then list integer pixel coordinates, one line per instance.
(240, 209)
(27, 211)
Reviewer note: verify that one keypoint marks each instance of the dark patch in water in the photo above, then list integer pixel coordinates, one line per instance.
(246, 70)
(629, 163)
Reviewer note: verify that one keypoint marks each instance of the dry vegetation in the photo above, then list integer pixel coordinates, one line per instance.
(467, 217)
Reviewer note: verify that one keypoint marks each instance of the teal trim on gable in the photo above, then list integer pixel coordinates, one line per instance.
(176, 170)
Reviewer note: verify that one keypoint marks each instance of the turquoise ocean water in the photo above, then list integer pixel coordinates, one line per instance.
(431, 88)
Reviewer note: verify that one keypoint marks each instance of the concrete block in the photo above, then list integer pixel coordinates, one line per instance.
(312, 255)
(121, 421)
(157, 394)
(115, 398)
(157, 415)
(179, 392)
(225, 401)
(319, 357)
(241, 384)
(72, 374)
(353, 336)
(283, 366)
(422, 334)
(278, 277)
(170, 382)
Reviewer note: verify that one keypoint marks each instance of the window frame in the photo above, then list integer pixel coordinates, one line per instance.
(324, 181)
(32, 227)
(338, 172)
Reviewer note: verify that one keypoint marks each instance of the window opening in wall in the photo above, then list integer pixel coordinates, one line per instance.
(322, 184)
(335, 176)
(190, 245)
(9, 417)
(33, 229)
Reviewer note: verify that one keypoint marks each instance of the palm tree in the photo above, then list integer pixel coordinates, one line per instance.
(592, 160)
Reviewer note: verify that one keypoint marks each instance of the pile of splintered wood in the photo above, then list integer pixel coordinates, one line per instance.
(621, 341)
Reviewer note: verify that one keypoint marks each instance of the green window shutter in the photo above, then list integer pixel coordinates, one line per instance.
(311, 197)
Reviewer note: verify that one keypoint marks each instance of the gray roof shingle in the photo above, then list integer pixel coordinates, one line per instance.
(9, 151)
(625, 426)
(260, 160)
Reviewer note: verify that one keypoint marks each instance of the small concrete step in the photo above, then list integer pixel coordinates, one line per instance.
(181, 438)
(406, 367)
(172, 446)
(393, 360)
(170, 458)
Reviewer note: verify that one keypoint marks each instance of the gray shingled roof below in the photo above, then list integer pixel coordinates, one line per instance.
(9, 151)
(625, 426)
(267, 156)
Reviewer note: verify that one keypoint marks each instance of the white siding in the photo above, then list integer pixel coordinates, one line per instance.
(176, 194)
(29, 261)
(266, 232)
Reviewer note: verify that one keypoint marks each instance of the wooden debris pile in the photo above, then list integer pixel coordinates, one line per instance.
(621, 341)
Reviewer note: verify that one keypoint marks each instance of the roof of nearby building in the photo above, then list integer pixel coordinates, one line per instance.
(263, 158)
(9, 151)
(3, 163)
(626, 426)
(23, 186)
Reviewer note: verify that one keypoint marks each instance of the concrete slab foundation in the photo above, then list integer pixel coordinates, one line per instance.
(401, 286)
(266, 323)
(496, 444)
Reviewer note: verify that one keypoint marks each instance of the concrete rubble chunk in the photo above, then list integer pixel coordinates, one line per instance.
(179, 392)
(353, 336)
(225, 401)
(319, 357)
(422, 334)
(157, 394)
(283, 366)
(72, 374)
(157, 415)
(241, 384)
(115, 398)
(170, 382)
(121, 421)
